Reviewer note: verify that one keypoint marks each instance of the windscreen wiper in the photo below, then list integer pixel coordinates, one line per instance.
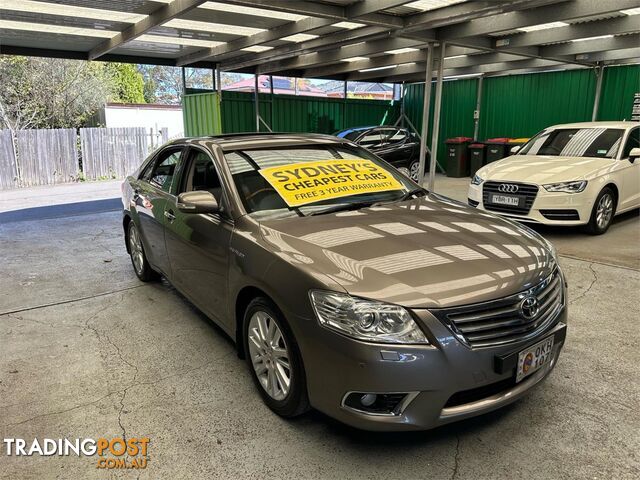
(412, 193)
(342, 208)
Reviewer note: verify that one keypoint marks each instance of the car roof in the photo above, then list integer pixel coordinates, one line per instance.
(619, 124)
(253, 140)
(342, 133)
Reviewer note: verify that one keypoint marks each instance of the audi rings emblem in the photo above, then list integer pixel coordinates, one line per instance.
(507, 188)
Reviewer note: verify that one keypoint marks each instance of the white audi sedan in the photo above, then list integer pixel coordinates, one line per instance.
(573, 174)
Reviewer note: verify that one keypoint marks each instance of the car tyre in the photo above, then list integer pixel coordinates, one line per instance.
(138, 257)
(604, 208)
(273, 357)
(414, 171)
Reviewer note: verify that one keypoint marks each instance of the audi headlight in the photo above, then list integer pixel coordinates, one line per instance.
(477, 180)
(364, 319)
(566, 187)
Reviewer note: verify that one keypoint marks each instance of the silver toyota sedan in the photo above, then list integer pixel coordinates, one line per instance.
(346, 286)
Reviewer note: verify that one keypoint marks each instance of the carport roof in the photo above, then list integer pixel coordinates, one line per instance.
(370, 40)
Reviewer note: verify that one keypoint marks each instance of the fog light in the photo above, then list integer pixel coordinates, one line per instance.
(376, 403)
(368, 399)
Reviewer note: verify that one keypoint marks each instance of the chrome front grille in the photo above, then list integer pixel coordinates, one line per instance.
(500, 322)
(525, 191)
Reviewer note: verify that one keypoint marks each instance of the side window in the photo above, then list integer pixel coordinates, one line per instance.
(397, 136)
(632, 142)
(201, 175)
(165, 167)
(373, 138)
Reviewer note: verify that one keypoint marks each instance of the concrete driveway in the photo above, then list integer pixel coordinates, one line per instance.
(89, 351)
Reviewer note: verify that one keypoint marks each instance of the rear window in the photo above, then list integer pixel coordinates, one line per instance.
(576, 142)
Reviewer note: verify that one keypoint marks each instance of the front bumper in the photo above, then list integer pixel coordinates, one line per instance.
(431, 375)
(547, 208)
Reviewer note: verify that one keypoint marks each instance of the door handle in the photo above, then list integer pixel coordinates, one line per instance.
(169, 215)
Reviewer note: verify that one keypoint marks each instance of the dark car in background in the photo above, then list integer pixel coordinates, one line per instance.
(398, 146)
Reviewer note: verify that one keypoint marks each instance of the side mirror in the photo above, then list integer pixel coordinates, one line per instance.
(197, 202)
(634, 154)
(515, 149)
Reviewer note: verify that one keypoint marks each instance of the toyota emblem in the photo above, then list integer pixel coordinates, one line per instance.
(507, 188)
(529, 307)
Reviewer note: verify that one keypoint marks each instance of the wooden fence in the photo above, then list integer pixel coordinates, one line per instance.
(8, 169)
(47, 156)
(51, 156)
(112, 152)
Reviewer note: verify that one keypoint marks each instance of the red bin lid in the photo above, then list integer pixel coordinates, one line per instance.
(458, 140)
(477, 145)
(498, 140)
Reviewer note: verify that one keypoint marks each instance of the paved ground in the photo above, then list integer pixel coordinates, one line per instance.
(89, 351)
(48, 195)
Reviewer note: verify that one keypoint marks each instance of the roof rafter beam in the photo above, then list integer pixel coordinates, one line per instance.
(378, 61)
(609, 55)
(323, 43)
(568, 10)
(467, 11)
(532, 63)
(330, 57)
(610, 26)
(289, 28)
(156, 18)
(366, 7)
(588, 46)
(321, 10)
(469, 61)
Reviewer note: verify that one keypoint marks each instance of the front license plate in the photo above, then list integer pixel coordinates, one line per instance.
(505, 200)
(534, 357)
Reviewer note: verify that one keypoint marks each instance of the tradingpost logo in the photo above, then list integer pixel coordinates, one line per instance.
(112, 453)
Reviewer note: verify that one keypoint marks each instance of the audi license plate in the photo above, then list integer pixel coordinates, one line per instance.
(534, 358)
(505, 200)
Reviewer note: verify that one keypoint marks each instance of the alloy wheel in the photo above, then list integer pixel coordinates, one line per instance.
(604, 210)
(414, 171)
(269, 355)
(135, 247)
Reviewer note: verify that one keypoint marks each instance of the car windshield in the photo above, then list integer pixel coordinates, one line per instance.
(576, 142)
(311, 180)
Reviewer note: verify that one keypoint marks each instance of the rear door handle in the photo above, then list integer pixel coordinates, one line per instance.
(169, 215)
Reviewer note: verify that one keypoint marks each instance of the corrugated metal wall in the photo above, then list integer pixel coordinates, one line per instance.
(618, 86)
(201, 114)
(522, 105)
(512, 106)
(290, 113)
(456, 118)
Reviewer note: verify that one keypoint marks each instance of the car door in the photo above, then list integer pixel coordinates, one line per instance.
(629, 173)
(151, 195)
(198, 244)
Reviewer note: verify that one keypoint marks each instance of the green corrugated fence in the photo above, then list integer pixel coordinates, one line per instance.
(522, 105)
(283, 113)
(619, 84)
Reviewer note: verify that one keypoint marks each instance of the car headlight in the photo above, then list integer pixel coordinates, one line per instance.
(477, 180)
(364, 319)
(566, 187)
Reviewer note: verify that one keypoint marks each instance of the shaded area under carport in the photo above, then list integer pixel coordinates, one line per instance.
(90, 351)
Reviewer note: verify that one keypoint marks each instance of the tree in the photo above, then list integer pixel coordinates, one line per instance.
(50, 92)
(127, 83)
(164, 84)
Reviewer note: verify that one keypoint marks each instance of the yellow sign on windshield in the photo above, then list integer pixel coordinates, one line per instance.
(308, 182)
